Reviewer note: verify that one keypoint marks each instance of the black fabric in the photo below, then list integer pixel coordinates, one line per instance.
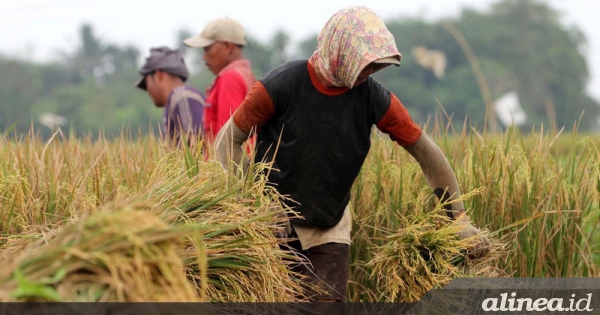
(324, 141)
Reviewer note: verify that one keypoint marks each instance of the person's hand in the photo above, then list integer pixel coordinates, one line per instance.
(481, 245)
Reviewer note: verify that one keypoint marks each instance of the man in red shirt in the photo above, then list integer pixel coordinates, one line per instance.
(223, 40)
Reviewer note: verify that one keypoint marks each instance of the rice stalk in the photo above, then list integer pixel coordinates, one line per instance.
(124, 255)
(424, 253)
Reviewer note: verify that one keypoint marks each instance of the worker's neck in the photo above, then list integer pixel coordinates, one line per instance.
(324, 81)
(172, 85)
(235, 55)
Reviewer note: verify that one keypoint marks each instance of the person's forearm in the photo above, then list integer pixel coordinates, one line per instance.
(438, 172)
(228, 145)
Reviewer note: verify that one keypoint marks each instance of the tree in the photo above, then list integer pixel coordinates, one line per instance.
(543, 57)
(520, 44)
(24, 84)
(265, 57)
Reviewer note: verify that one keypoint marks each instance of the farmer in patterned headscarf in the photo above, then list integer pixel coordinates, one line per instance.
(313, 119)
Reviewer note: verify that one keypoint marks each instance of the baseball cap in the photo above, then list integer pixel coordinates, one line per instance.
(164, 59)
(395, 60)
(218, 30)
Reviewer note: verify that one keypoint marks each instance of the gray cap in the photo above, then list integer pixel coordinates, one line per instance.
(164, 59)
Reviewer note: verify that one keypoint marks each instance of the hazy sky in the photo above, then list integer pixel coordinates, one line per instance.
(42, 27)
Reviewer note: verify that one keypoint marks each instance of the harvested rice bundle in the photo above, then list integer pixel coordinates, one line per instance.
(427, 254)
(238, 257)
(229, 251)
(127, 254)
(242, 262)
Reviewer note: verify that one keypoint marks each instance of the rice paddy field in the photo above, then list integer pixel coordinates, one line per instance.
(130, 219)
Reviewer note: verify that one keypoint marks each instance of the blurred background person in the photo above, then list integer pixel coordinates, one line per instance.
(223, 40)
(163, 77)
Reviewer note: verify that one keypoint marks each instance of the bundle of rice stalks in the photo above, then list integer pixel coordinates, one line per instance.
(426, 254)
(241, 262)
(126, 254)
(237, 257)
(227, 250)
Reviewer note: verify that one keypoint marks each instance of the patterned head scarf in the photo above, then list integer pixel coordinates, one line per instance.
(352, 38)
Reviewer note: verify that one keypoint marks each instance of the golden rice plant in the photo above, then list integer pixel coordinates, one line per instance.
(123, 255)
(556, 195)
(234, 256)
(424, 253)
(540, 201)
(237, 258)
(404, 244)
(540, 195)
(46, 182)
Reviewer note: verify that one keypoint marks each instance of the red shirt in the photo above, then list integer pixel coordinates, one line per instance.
(225, 95)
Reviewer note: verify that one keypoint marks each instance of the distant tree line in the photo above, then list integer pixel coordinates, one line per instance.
(519, 45)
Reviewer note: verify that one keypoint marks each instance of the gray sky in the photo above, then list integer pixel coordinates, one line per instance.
(42, 27)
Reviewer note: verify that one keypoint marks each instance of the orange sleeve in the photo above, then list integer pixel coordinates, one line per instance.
(256, 109)
(398, 124)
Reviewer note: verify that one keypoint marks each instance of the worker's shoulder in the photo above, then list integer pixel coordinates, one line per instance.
(188, 94)
(229, 75)
(291, 68)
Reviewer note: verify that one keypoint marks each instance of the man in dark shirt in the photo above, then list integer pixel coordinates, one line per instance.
(163, 77)
(313, 119)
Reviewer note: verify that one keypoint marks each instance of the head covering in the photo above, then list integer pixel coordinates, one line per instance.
(164, 59)
(218, 30)
(351, 39)
(389, 60)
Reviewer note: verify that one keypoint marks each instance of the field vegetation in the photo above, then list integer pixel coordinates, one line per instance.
(130, 219)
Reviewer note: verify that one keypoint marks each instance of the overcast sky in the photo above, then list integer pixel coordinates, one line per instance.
(40, 28)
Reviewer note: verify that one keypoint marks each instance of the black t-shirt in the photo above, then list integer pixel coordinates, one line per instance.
(318, 142)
